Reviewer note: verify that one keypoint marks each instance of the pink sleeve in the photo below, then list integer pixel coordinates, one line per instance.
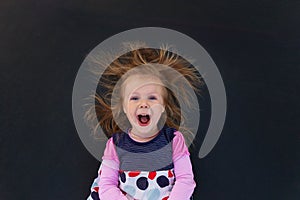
(110, 151)
(184, 184)
(109, 178)
(179, 147)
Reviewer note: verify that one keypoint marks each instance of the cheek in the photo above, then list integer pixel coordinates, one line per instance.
(132, 108)
(158, 108)
(129, 108)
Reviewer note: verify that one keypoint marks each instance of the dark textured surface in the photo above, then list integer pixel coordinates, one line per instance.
(255, 44)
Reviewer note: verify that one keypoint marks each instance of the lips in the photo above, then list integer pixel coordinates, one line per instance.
(143, 119)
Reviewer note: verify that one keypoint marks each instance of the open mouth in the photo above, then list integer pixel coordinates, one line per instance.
(143, 119)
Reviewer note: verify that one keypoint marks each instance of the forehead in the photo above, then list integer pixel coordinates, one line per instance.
(142, 83)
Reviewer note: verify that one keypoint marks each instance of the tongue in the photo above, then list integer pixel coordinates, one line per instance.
(144, 119)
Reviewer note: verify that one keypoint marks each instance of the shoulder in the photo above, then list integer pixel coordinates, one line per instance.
(117, 137)
(178, 135)
(169, 133)
(110, 150)
(179, 146)
(178, 138)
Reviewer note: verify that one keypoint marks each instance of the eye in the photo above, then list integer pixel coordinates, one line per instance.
(134, 98)
(153, 98)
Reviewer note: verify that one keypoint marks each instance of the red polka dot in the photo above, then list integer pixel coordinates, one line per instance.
(100, 172)
(96, 189)
(170, 174)
(123, 192)
(134, 173)
(152, 175)
(165, 198)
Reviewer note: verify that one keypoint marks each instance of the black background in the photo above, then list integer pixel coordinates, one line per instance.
(255, 44)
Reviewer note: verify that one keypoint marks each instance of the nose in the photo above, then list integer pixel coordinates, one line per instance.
(143, 104)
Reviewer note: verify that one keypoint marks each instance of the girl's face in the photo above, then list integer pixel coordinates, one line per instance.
(143, 104)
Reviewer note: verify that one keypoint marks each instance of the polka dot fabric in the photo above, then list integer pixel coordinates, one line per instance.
(139, 177)
(143, 185)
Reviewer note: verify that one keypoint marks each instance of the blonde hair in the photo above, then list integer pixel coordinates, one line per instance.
(123, 67)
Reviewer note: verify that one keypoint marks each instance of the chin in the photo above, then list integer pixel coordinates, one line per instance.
(145, 130)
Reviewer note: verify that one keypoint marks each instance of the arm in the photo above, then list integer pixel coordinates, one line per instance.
(184, 184)
(108, 175)
(108, 184)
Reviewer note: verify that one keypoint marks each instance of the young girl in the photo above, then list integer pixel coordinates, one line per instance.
(146, 157)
